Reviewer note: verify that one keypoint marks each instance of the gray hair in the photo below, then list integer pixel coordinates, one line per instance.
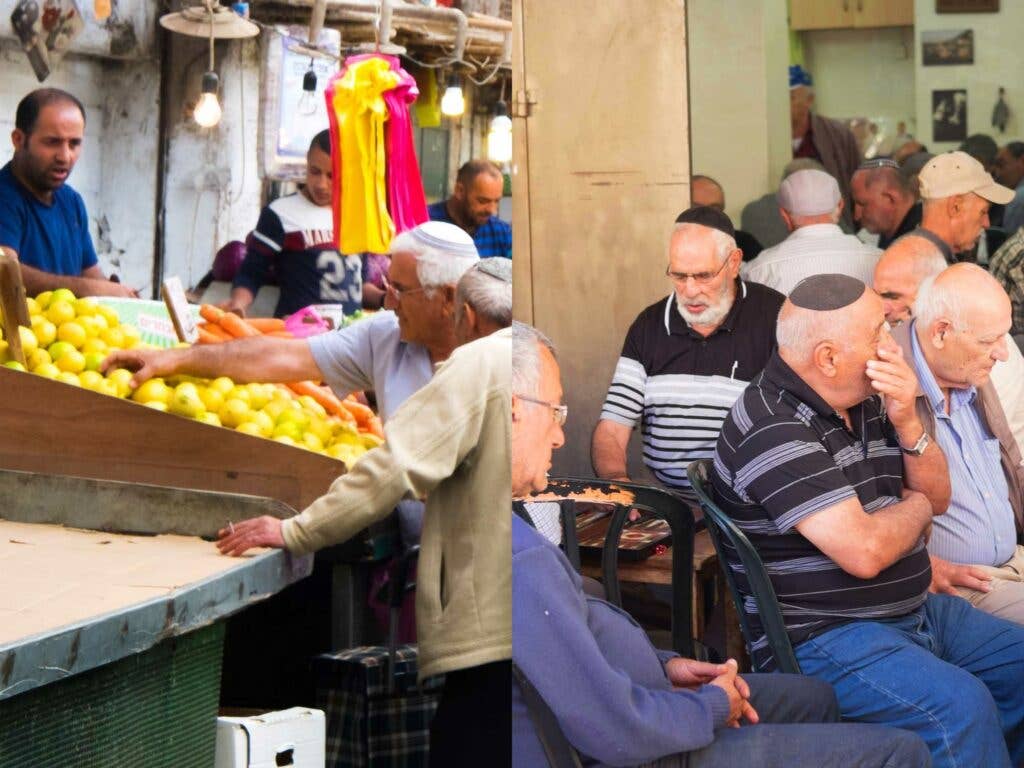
(435, 267)
(487, 288)
(935, 302)
(799, 331)
(526, 344)
(724, 245)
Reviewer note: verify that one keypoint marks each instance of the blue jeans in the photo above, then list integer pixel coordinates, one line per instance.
(948, 672)
(799, 728)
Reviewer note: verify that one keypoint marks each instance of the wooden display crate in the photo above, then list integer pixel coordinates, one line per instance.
(55, 428)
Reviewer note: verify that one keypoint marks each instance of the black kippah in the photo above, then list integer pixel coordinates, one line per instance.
(823, 293)
(707, 216)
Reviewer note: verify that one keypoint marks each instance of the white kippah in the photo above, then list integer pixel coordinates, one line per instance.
(809, 193)
(445, 237)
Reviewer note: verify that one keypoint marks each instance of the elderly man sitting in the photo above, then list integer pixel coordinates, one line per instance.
(837, 492)
(616, 699)
(957, 338)
(687, 357)
(811, 205)
(898, 275)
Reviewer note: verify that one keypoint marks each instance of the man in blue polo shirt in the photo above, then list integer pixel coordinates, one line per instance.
(42, 220)
(473, 206)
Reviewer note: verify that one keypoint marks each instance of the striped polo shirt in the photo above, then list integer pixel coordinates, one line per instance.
(680, 385)
(783, 455)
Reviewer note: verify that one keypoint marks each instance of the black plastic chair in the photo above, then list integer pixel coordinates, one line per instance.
(655, 501)
(725, 533)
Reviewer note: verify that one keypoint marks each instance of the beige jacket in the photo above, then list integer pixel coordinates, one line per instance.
(991, 412)
(449, 442)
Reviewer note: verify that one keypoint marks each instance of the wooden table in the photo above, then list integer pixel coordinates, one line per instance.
(657, 569)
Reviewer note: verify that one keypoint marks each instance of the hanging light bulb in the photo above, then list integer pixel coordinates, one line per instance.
(307, 102)
(453, 103)
(499, 136)
(207, 111)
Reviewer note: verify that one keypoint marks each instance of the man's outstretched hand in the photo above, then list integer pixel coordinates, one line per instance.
(239, 538)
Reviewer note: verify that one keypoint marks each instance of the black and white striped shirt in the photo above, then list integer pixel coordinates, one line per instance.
(682, 384)
(783, 455)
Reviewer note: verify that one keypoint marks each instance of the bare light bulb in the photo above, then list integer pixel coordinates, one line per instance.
(499, 135)
(307, 101)
(453, 103)
(207, 112)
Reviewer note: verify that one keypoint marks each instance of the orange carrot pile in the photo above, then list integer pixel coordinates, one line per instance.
(221, 326)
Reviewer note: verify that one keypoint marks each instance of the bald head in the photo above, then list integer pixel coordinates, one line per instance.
(828, 329)
(706, 191)
(963, 318)
(900, 271)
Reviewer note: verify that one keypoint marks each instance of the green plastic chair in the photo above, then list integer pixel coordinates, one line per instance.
(725, 533)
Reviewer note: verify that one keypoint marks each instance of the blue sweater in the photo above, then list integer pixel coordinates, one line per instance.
(596, 669)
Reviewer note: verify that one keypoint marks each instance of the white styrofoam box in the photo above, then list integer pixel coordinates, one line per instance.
(292, 737)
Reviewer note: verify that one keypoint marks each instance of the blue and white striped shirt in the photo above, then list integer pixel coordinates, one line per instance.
(978, 527)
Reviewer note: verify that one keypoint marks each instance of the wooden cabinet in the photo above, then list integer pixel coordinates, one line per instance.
(847, 14)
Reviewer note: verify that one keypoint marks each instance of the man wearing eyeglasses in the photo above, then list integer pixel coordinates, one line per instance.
(687, 357)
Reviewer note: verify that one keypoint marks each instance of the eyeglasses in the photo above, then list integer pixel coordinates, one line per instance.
(700, 278)
(559, 412)
(398, 293)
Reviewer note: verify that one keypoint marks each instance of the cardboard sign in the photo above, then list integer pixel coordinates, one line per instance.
(178, 308)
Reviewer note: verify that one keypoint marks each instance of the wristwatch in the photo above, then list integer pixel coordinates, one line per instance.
(919, 447)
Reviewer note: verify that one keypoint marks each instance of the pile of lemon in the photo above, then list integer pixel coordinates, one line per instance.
(70, 337)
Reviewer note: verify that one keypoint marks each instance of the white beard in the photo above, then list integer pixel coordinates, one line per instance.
(712, 315)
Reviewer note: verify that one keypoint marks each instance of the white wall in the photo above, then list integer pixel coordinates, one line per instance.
(863, 72)
(116, 172)
(739, 103)
(997, 62)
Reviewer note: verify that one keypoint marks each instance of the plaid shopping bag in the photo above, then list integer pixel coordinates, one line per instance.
(369, 726)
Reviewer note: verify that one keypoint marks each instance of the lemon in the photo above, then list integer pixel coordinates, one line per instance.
(60, 312)
(113, 338)
(60, 348)
(222, 384)
(68, 378)
(348, 438)
(156, 405)
(45, 331)
(63, 294)
(263, 421)
(37, 357)
(132, 337)
(47, 371)
(209, 418)
(73, 361)
(73, 333)
(110, 314)
(14, 365)
(288, 429)
(275, 408)
(85, 307)
(154, 390)
(94, 345)
(321, 429)
(29, 342)
(370, 441)
(249, 428)
(44, 299)
(312, 442)
(259, 395)
(284, 439)
(121, 379)
(312, 405)
(185, 401)
(239, 392)
(212, 398)
(291, 416)
(33, 306)
(233, 412)
(108, 388)
(92, 380)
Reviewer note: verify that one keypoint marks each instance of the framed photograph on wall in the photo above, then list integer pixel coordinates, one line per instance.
(949, 115)
(966, 6)
(941, 47)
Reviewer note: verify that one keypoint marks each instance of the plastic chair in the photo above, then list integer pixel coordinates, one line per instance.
(725, 534)
(655, 501)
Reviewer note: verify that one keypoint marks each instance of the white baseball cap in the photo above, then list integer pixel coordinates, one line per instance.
(809, 193)
(957, 173)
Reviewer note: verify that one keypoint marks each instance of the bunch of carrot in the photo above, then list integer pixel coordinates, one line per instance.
(223, 326)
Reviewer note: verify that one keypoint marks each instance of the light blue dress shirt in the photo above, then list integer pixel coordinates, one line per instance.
(978, 527)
